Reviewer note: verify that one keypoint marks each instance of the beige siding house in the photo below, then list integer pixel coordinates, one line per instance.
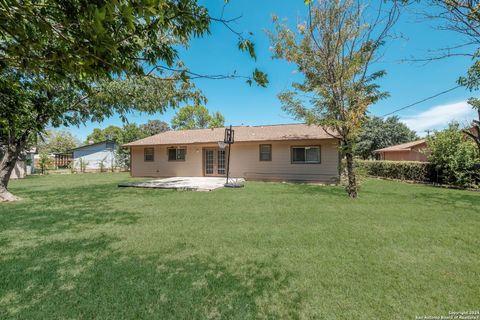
(410, 151)
(294, 152)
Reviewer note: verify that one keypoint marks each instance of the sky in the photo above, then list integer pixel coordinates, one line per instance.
(240, 103)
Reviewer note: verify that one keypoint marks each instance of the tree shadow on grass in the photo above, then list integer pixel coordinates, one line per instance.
(313, 189)
(57, 211)
(429, 194)
(86, 279)
(454, 198)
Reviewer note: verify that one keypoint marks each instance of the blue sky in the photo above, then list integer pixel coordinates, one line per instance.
(242, 104)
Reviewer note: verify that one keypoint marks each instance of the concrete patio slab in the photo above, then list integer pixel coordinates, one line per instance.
(184, 183)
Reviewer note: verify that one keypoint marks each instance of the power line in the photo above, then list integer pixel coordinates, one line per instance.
(420, 101)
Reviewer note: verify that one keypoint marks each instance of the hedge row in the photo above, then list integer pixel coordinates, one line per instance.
(403, 170)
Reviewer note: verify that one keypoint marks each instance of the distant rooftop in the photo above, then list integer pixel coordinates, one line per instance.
(404, 146)
(92, 144)
(242, 134)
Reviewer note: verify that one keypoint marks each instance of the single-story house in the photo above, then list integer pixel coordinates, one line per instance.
(291, 152)
(94, 154)
(410, 151)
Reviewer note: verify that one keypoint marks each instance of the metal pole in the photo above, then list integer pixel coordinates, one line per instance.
(228, 160)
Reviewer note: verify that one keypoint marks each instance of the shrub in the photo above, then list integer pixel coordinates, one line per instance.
(83, 165)
(71, 166)
(44, 162)
(403, 170)
(454, 156)
(101, 164)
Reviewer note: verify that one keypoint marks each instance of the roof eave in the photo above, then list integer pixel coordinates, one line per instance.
(128, 145)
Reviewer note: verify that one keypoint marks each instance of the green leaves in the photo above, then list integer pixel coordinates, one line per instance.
(245, 44)
(377, 133)
(196, 117)
(454, 156)
(334, 52)
(54, 141)
(87, 41)
(259, 77)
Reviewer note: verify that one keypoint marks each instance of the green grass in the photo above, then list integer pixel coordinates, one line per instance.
(79, 247)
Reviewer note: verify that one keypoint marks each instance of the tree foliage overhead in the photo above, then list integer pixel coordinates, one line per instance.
(196, 117)
(334, 50)
(378, 133)
(85, 40)
(29, 104)
(96, 39)
(463, 18)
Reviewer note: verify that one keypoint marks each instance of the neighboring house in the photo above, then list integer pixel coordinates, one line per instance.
(410, 151)
(292, 152)
(95, 153)
(21, 168)
(30, 160)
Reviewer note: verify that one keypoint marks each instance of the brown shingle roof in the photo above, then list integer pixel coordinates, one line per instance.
(403, 147)
(242, 134)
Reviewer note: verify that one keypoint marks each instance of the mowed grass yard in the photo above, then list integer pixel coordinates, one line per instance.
(79, 247)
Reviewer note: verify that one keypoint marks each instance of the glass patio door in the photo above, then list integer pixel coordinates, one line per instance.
(220, 162)
(209, 161)
(214, 162)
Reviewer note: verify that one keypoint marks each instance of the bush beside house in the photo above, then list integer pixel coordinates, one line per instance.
(455, 156)
(402, 170)
(453, 159)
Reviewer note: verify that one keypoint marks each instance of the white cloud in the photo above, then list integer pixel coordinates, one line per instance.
(438, 117)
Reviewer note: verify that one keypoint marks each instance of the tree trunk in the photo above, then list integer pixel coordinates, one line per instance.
(352, 188)
(7, 164)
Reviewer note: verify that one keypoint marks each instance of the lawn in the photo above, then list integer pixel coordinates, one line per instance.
(79, 247)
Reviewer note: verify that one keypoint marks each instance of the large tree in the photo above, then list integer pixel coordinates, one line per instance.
(69, 62)
(377, 133)
(334, 50)
(463, 18)
(196, 117)
(111, 132)
(153, 127)
(29, 103)
(56, 141)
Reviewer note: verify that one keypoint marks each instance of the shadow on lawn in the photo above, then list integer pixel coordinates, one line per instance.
(428, 194)
(55, 211)
(312, 189)
(453, 199)
(86, 279)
